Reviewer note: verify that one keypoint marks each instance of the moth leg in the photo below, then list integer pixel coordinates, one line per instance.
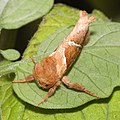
(27, 79)
(77, 86)
(50, 92)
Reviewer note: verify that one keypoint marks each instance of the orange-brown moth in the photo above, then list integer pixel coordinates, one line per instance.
(50, 72)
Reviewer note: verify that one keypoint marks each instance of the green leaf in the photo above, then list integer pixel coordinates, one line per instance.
(104, 109)
(0, 111)
(22, 12)
(2, 5)
(11, 106)
(10, 54)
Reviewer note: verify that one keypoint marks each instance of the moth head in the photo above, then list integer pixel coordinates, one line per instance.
(45, 73)
(44, 85)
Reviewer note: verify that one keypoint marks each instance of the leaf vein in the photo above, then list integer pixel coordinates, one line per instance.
(90, 80)
(101, 58)
(104, 36)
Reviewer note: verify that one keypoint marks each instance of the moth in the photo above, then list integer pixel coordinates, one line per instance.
(50, 72)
